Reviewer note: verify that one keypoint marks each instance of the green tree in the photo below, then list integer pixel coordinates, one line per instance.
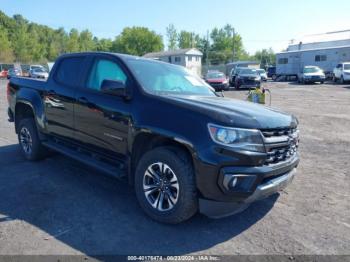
(86, 42)
(137, 41)
(203, 45)
(73, 41)
(172, 37)
(6, 53)
(226, 43)
(103, 44)
(186, 39)
(21, 43)
(266, 57)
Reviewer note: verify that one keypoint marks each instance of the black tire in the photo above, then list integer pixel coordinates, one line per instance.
(34, 150)
(334, 79)
(322, 82)
(186, 204)
(274, 77)
(342, 80)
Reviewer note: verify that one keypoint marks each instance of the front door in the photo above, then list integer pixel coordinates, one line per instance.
(102, 120)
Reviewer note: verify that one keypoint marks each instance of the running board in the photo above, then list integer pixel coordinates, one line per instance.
(91, 161)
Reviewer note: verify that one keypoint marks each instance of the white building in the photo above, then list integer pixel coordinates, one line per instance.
(190, 58)
(322, 50)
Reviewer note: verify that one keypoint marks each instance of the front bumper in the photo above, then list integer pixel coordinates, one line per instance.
(216, 209)
(346, 77)
(248, 83)
(315, 79)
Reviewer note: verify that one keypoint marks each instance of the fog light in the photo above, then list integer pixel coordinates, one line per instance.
(238, 182)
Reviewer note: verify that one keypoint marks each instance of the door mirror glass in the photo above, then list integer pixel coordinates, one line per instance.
(113, 87)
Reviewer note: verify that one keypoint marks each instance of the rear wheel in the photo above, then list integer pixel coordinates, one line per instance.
(165, 185)
(274, 77)
(29, 140)
(342, 80)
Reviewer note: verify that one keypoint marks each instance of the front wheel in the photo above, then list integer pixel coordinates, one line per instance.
(165, 185)
(342, 80)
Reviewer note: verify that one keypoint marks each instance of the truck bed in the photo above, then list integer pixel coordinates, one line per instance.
(28, 83)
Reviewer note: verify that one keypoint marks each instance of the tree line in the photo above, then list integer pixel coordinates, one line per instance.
(24, 41)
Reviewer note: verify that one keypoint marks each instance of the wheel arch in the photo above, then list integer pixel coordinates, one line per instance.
(31, 101)
(144, 142)
(23, 109)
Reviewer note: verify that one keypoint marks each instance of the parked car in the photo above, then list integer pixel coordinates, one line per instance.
(234, 72)
(217, 80)
(4, 69)
(262, 74)
(182, 146)
(311, 74)
(247, 77)
(271, 72)
(38, 73)
(32, 67)
(342, 72)
(12, 72)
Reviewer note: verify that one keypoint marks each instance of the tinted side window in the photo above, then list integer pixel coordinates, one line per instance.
(105, 70)
(69, 70)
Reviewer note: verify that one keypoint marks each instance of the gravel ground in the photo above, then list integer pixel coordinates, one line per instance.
(58, 206)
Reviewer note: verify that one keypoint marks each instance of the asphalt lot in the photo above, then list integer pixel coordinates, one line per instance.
(57, 206)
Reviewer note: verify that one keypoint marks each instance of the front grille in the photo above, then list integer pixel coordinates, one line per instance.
(249, 81)
(281, 144)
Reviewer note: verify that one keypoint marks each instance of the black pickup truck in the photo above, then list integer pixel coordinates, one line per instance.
(183, 147)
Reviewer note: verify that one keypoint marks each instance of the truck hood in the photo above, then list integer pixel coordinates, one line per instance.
(237, 113)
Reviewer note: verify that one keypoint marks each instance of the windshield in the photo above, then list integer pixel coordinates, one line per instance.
(346, 66)
(261, 71)
(162, 78)
(39, 70)
(215, 75)
(311, 70)
(248, 71)
(36, 67)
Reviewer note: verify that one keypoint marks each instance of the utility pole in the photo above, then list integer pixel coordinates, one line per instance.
(233, 44)
(207, 50)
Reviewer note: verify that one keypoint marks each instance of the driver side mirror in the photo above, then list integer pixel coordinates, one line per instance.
(113, 87)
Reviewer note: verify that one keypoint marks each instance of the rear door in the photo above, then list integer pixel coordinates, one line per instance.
(59, 97)
(102, 120)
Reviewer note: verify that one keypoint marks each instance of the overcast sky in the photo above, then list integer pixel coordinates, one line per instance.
(261, 23)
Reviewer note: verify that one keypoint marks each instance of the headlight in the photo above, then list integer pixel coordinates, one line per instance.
(244, 139)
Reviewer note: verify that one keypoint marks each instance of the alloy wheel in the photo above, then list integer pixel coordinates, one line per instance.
(26, 140)
(161, 186)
